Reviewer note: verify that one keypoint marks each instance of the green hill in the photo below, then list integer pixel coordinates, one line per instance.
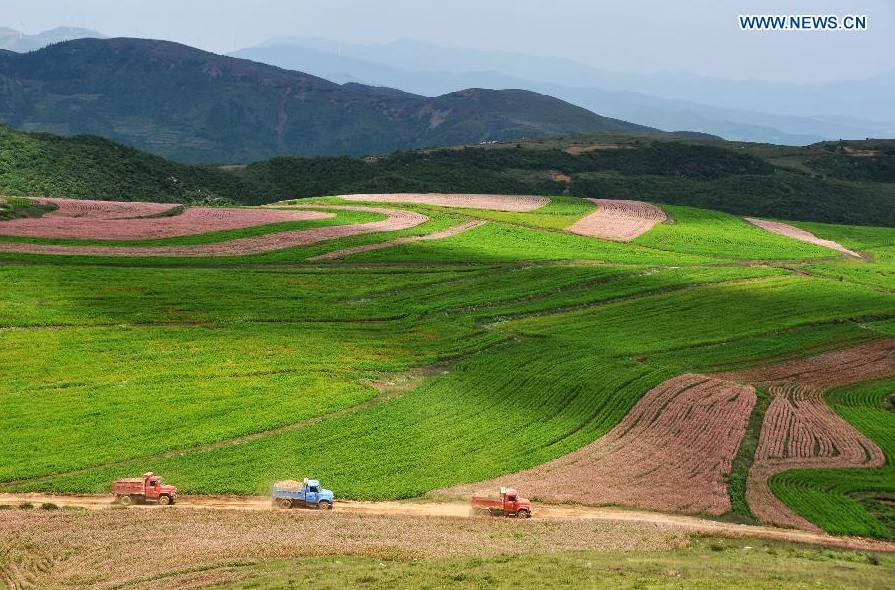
(842, 182)
(194, 106)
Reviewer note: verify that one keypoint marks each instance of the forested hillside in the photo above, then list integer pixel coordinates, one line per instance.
(847, 182)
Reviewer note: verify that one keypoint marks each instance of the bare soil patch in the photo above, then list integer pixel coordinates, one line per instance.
(451, 231)
(91, 209)
(790, 231)
(618, 220)
(800, 431)
(672, 452)
(597, 147)
(512, 203)
(560, 177)
(397, 220)
(101, 220)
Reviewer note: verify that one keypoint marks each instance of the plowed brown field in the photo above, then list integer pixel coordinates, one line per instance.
(451, 231)
(784, 229)
(618, 220)
(397, 220)
(88, 209)
(672, 452)
(103, 220)
(801, 431)
(519, 204)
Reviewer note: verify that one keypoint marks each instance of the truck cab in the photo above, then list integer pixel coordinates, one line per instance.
(159, 491)
(514, 504)
(309, 494)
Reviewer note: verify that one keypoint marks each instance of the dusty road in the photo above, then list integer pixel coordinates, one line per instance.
(687, 524)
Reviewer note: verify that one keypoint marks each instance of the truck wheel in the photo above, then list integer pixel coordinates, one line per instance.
(286, 503)
(126, 500)
(325, 505)
(523, 514)
(164, 500)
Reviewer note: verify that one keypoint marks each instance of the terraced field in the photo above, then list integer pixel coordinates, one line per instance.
(479, 343)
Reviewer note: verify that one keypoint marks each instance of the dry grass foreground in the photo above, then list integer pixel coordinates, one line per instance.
(109, 220)
(511, 203)
(790, 231)
(397, 220)
(674, 450)
(192, 548)
(618, 220)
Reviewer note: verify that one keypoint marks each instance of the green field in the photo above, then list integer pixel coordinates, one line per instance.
(708, 565)
(225, 374)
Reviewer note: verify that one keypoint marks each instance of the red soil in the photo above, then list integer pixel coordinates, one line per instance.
(446, 233)
(801, 431)
(513, 203)
(784, 229)
(672, 452)
(85, 208)
(104, 220)
(618, 220)
(397, 220)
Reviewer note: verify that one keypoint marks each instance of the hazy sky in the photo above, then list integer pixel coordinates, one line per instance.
(698, 36)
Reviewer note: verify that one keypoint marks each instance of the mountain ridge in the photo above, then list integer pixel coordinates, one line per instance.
(195, 106)
(665, 100)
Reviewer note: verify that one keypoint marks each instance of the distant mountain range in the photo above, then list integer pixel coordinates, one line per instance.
(194, 106)
(741, 110)
(20, 42)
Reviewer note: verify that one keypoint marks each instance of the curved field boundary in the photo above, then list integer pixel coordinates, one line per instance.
(105, 220)
(397, 220)
(451, 231)
(672, 452)
(512, 203)
(790, 231)
(618, 220)
(801, 431)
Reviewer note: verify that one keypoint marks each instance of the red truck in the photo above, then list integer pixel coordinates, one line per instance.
(506, 502)
(149, 488)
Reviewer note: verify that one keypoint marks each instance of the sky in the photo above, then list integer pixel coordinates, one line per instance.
(644, 36)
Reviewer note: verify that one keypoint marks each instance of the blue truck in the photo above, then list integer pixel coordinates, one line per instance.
(304, 494)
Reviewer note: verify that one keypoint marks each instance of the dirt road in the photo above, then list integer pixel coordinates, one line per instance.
(687, 524)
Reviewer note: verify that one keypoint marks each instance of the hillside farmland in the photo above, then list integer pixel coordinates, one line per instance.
(479, 344)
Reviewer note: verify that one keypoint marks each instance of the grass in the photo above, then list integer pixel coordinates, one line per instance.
(695, 236)
(739, 508)
(16, 208)
(874, 241)
(721, 235)
(851, 501)
(485, 417)
(714, 564)
(542, 341)
(559, 213)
